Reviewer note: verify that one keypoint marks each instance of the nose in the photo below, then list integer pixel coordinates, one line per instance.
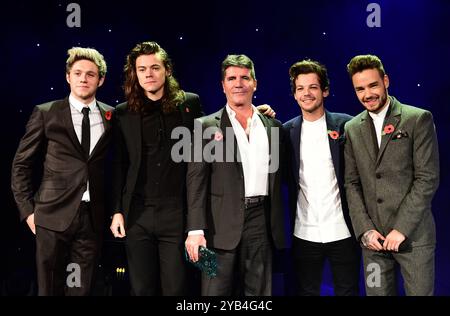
(83, 77)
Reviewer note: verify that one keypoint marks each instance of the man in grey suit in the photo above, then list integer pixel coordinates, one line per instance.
(234, 206)
(391, 175)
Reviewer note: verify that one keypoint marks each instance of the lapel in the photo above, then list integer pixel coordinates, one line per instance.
(224, 123)
(68, 124)
(133, 124)
(334, 143)
(107, 126)
(393, 118)
(295, 138)
(366, 130)
(186, 115)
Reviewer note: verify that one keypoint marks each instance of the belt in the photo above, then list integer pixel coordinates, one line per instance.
(254, 200)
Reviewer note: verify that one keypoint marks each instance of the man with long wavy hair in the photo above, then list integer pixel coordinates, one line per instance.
(148, 185)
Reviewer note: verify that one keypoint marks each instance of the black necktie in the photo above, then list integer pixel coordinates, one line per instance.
(86, 132)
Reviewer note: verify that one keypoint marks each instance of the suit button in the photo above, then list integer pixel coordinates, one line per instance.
(379, 201)
(378, 176)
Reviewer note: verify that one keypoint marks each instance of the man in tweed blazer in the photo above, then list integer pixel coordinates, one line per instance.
(391, 175)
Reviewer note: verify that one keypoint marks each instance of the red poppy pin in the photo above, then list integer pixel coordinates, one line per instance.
(388, 129)
(218, 136)
(333, 134)
(108, 115)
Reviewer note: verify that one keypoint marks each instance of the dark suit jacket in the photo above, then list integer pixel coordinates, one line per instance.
(215, 190)
(393, 189)
(293, 128)
(50, 132)
(128, 149)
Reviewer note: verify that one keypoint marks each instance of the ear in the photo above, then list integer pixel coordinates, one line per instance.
(100, 82)
(386, 81)
(223, 86)
(326, 92)
(256, 84)
(67, 78)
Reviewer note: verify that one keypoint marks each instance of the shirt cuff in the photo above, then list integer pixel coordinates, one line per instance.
(196, 232)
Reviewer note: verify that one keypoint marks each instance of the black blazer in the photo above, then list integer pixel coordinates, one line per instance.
(293, 128)
(215, 191)
(128, 148)
(50, 133)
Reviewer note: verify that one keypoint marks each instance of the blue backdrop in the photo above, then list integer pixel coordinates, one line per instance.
(412, 40)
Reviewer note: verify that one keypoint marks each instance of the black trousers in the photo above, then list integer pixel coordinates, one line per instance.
(155, 248)
(247, 269)
(66, 260)
(343, 256)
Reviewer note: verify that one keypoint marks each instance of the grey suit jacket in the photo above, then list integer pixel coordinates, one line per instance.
(393, 189)
(215, 190)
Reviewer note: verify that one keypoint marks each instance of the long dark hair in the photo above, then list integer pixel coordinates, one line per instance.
(135, 94)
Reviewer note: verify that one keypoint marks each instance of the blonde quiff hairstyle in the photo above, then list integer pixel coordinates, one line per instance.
(80, 53)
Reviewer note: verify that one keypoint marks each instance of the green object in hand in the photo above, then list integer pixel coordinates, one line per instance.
(207, 261)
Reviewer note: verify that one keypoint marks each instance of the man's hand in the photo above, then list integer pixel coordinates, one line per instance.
(393, 240)
(370, 240)
(266, 110)
(118, 226)
(30, 222)
(192, 243)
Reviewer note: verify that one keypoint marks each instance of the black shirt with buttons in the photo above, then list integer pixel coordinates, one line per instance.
(159, 176)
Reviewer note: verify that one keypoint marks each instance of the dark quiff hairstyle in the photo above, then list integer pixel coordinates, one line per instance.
(135, 94)
(363, 62)
(309, 66)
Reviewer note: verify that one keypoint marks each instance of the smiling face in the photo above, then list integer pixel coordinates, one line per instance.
(309, 95)
(151, 75)
(84, 80)
(238, 86)
(371, 89)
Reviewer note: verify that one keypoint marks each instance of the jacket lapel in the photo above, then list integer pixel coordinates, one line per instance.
(296, 131)
(107, 126)
(334, 143)
(393, 119)
(223, 122)
(366, 133)
(68, 124)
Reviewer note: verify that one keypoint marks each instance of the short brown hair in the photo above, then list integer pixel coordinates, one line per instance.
(363, 62)
(241, 61)
(309, 66)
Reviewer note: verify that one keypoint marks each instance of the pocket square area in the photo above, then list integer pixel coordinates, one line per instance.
(400, 134)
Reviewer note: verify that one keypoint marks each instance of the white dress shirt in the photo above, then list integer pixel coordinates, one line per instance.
(378, 121)
(254, 152)
(96, 122)
(319, 216)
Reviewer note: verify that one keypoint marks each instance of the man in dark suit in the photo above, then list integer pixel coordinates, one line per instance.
(391, 175)
(322, 228)
(234, 204)
(66, 212)
(148, 185)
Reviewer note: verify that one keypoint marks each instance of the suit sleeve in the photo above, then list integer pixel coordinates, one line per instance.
(22, 168)
(197, 180)
(120, 165)
(426, 176)
(361, 221)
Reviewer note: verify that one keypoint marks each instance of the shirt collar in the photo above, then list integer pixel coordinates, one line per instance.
(316, 122)
(78, 105)
(382, 114)
(232, 113)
